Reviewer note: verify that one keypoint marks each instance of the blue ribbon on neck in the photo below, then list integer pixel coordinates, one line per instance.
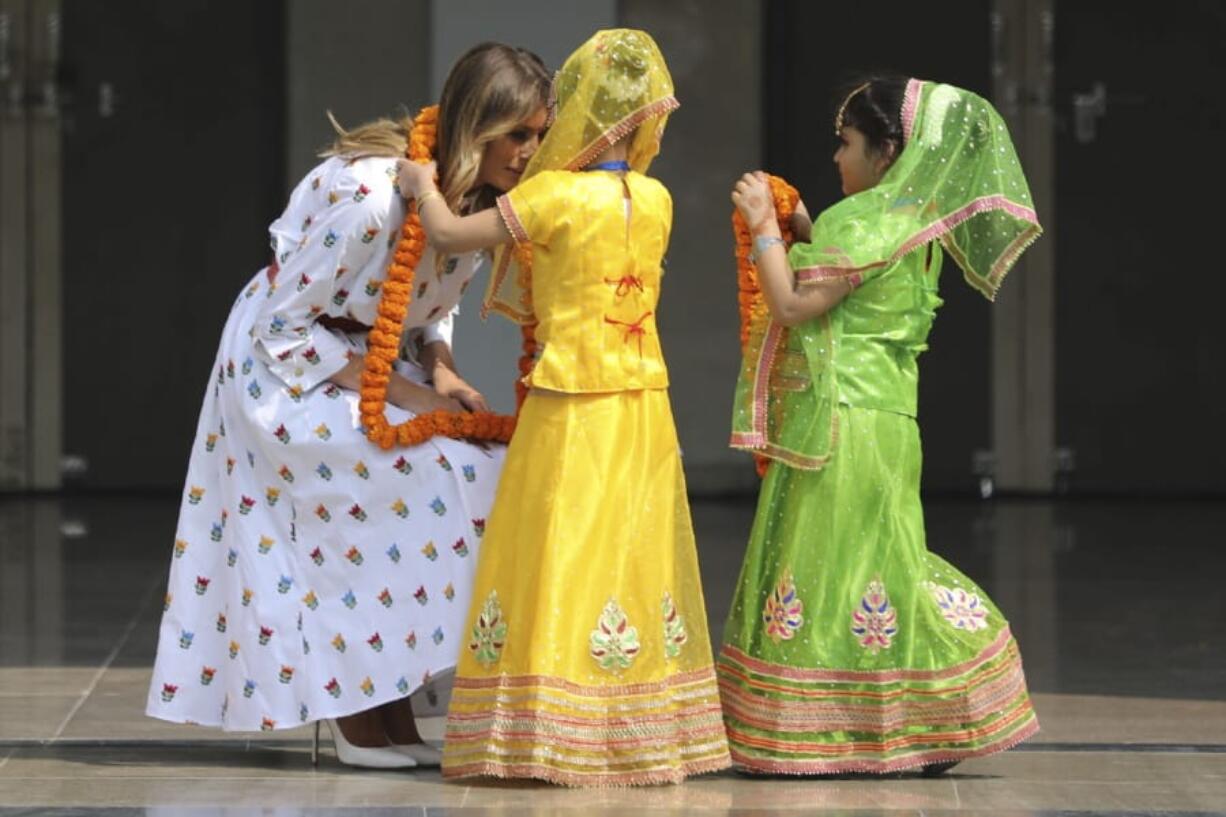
(620, 164)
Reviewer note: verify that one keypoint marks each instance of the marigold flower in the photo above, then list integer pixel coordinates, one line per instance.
(383, 341)
(749, 296)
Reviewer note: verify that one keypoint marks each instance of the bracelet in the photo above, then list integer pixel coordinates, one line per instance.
(429, 194)
(762, 243)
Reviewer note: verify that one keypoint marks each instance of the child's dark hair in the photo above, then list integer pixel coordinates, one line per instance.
(876, 110)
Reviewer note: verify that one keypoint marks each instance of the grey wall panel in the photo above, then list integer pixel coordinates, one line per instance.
(370, 59)
(487, 351)
(713, 50)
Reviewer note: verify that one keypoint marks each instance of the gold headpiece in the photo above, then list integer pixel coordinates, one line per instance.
(838, 117)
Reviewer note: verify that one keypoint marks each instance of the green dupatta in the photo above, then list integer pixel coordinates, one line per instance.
(957, 181)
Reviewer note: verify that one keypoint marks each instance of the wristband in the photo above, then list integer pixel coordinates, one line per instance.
(425, 197)
(762, 243)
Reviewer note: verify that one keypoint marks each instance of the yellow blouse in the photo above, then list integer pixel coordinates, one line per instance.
(597, 246)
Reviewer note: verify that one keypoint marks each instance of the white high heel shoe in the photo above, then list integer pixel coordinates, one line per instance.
(369, 757)
(423, 753)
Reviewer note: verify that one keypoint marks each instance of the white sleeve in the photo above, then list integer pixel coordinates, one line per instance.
(440, 330)
(343, 237)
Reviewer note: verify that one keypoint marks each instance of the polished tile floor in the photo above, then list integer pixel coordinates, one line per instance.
(1116, 606)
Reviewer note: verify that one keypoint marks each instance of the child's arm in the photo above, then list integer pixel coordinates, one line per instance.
(447, 232)
(801, 223)
(788, 305)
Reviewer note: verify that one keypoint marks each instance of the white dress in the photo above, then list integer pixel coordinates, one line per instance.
(315, 575)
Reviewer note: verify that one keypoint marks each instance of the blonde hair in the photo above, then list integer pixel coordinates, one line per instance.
(379, 137)
(491, 88)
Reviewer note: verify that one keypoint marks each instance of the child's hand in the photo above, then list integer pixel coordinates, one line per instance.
(752, 197)
(415, 179)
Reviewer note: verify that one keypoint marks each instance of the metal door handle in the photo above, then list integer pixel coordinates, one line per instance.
(12, 85)
(6, 70)
(106, 100)
(1087, 110)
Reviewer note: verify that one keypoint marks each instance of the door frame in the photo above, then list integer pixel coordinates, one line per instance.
(1024, 456)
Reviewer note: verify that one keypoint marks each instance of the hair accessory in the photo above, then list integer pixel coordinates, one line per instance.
(838, 118)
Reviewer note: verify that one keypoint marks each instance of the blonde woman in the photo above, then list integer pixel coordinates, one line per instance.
(316, 576)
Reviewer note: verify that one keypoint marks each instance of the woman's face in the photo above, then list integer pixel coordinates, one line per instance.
(859, 168)
(504, 159)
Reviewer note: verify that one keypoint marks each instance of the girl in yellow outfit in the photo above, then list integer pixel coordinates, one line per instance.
(589, 662)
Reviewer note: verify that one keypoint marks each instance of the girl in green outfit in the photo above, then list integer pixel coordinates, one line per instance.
(849, 646)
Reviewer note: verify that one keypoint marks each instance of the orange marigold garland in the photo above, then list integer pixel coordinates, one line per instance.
(383, 342)
(752, 305)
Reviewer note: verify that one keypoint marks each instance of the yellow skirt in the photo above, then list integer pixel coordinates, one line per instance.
(588, 661)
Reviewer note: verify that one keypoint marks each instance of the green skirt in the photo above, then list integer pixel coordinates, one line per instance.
(850, 647)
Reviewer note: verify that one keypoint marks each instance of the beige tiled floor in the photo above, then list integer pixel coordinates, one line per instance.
(1136, 725)
(1127, 720)
(1030, 781)
(149, 763)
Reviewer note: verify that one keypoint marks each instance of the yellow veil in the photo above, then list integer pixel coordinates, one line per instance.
(615, 85)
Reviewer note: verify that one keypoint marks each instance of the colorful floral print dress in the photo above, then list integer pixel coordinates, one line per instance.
(313, 574)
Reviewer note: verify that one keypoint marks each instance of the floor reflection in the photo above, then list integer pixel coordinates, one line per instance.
(1114, 605)
(1112, 598)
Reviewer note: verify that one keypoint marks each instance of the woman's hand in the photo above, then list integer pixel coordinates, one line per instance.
(752, 197)
(350, 375)
(415, 179)
(422, 400)
(418, 399)
(470, 398)
(449, 384)
(401, 391)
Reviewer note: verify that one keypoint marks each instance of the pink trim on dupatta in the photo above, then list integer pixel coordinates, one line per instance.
(910, 104)
(520, 236)
(755, 438)
(809, 275)
(980, 205)
(509, 217)
(937, 230)
(621, 130)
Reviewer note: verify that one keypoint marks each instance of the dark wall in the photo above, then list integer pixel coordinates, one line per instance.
(166, 201)
(165, 204)
(1141, 359)
(811, 49)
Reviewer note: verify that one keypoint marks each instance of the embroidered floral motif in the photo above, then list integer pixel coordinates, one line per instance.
(489, 633)
(614, 643)
(874, 622)
(674, 628)
(783, 613)
(965, 611)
